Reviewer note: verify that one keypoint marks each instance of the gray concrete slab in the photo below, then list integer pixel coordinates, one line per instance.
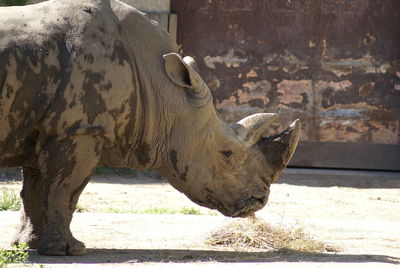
(161, 6)
(337, 177)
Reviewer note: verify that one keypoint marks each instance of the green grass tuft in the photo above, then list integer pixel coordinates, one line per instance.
(184, 210)
(156, 210)
(113, 210)
(190, 211)
(9, 200)
(18, 254)
(80, 208)
(13, 2)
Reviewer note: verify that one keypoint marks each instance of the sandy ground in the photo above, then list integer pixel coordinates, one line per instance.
(356, 212)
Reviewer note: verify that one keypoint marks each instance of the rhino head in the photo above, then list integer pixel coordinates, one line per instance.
(225, 167)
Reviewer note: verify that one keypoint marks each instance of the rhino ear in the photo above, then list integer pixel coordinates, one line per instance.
(251, 128)
(177, 70)
(183, 72)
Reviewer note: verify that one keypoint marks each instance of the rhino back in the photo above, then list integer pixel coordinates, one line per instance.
(58, 63)
(29, 76)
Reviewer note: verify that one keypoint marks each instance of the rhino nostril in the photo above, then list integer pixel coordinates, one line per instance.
(260, 195)
(262, 199)
(251, 204)
(254, 200)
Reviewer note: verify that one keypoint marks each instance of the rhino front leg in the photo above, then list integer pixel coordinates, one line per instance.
(31, 225)
(66, 167)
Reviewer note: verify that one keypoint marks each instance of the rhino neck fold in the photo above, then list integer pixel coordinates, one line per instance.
(138, 138)
(150, 126)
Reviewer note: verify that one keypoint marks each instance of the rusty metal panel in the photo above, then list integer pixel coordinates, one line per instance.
(334, 64)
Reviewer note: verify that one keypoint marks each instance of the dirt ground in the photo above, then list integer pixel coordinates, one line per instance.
(355, 212)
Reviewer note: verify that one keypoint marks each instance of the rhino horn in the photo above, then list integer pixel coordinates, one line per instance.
(251, 128)
(279, 149)
(183, 72)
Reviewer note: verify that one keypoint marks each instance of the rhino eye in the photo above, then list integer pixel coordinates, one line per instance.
(227, 153)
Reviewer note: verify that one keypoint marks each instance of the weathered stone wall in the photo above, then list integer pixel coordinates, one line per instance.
(333, 64)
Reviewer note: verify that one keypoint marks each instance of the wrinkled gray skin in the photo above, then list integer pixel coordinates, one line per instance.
(93, 83)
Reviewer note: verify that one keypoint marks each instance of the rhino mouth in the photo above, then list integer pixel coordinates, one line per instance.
(248, 206)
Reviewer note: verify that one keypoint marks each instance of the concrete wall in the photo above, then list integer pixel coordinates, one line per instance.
(150, 6)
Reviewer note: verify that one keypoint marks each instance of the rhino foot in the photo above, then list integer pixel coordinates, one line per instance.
(72, 247)
(31, 225)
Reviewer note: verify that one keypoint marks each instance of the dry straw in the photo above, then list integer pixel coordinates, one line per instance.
(255, 234)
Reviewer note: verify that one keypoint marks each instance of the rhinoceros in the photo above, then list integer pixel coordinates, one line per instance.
(97, 83)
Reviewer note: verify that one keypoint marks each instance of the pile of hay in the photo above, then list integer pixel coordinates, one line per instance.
(255, 234)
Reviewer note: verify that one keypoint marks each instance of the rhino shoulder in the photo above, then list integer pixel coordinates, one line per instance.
(140, 25)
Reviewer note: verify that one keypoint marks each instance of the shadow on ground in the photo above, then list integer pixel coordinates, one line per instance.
(182, 256)
(341, 178)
